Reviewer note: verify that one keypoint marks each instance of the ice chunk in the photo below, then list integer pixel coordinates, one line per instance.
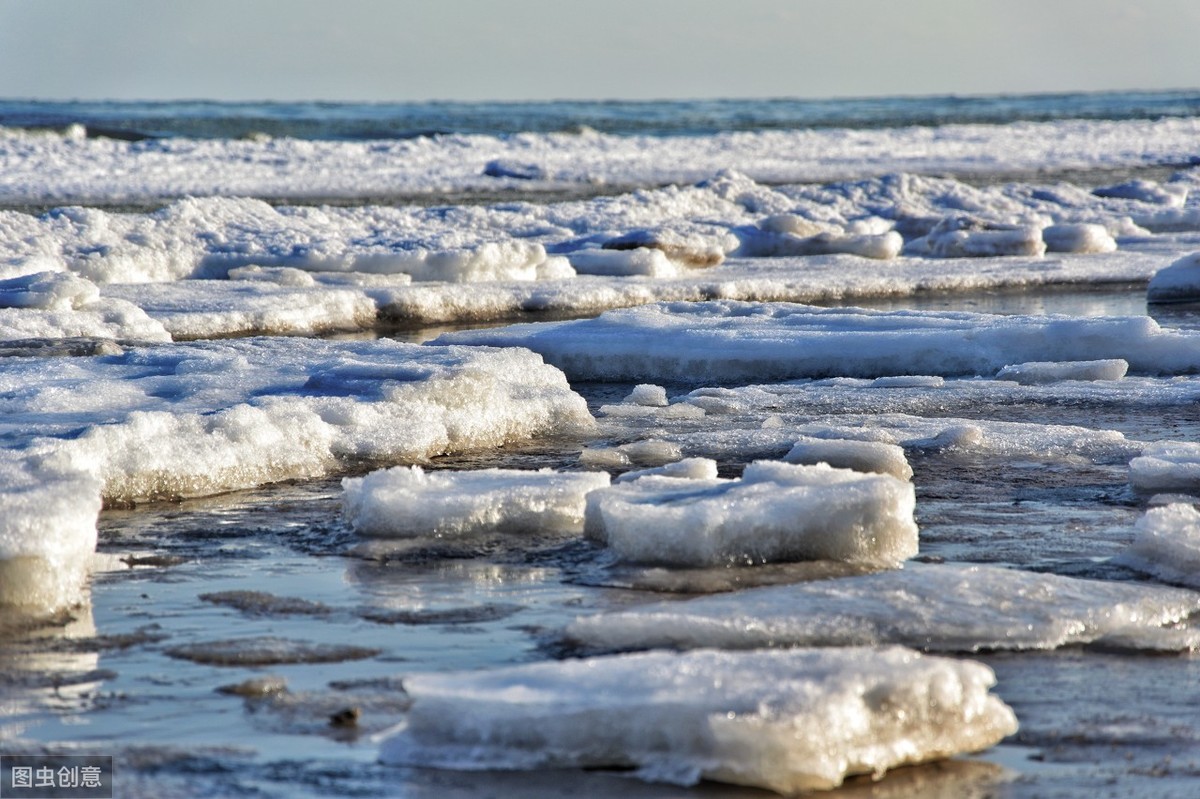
(775, 512)
(962, 237)
(501, 168)
(247, 412)
(1166, 466)
(1084, 238)
(764, 243)
(786, 721)
(52, 305)
(1146, 191)
(647, 394)
(861, 456)
(687, 469)
(940, 608)
(694, 250)
(1038, 373)
(191, 309)
(1167, 545)
(638, 261)
(650, 452)
(47, 532)
(724, 342)
(409, 501)
(1179, 282)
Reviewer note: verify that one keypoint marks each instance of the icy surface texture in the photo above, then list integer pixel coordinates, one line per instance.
(1167, 545)
(737, 342)
(244, 413)
(939, 608)
(785, 721)
(408, 501)
(774, 512)
(47, 532)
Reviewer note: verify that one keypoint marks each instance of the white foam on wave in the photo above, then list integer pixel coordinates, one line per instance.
(407, 501)
(736, 342)
(774, 512)
(940, 608)
(784, 721)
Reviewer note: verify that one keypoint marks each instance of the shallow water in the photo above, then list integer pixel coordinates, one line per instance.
(145, 671)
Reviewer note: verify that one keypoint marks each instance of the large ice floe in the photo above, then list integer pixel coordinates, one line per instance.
(774, 512)
(1167, 545)
(239, 414)
(787, 721)
(938, 608)
(723, 342)
(407, 501)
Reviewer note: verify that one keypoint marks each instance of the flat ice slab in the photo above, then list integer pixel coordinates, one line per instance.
(1167, 545)
(774, 512)
(940, 608)
(723, 342)
(786, 721)
(407, 501)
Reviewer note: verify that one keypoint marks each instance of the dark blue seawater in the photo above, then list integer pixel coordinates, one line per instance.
(315, 120)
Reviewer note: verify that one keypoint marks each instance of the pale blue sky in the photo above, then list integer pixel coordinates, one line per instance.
(629, 49)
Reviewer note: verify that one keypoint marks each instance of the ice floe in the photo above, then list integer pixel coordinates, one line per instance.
(787, 721)
(1167, 545)
(408, 501)
(243, 413)
(1040, 372)
(1179, 282)
(1166, 466)
(774, 512)
(938, 608)
(727, 342)
(52, 305)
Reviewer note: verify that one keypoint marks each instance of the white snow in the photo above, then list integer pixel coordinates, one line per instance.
(1167, 545)
(861, 456)
(774, 512)
(1041, 372)
(940, 608)
(785, 721)
(407, 501)
(243, 413)
(725, 342)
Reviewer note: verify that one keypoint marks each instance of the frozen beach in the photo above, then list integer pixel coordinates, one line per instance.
(357, 451)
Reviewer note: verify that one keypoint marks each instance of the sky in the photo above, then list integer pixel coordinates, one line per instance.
(397, 50)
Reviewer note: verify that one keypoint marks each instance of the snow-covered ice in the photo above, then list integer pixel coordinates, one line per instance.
(726, 342)
(1167, 545)
(786, 721)
(408, 501)
(51, 305)
(39, 168)
(938, 608)
(243, 413)
(1179, 282)
(774, 512)
(1167, 466)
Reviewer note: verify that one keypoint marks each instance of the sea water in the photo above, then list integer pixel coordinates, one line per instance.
(252, 643)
